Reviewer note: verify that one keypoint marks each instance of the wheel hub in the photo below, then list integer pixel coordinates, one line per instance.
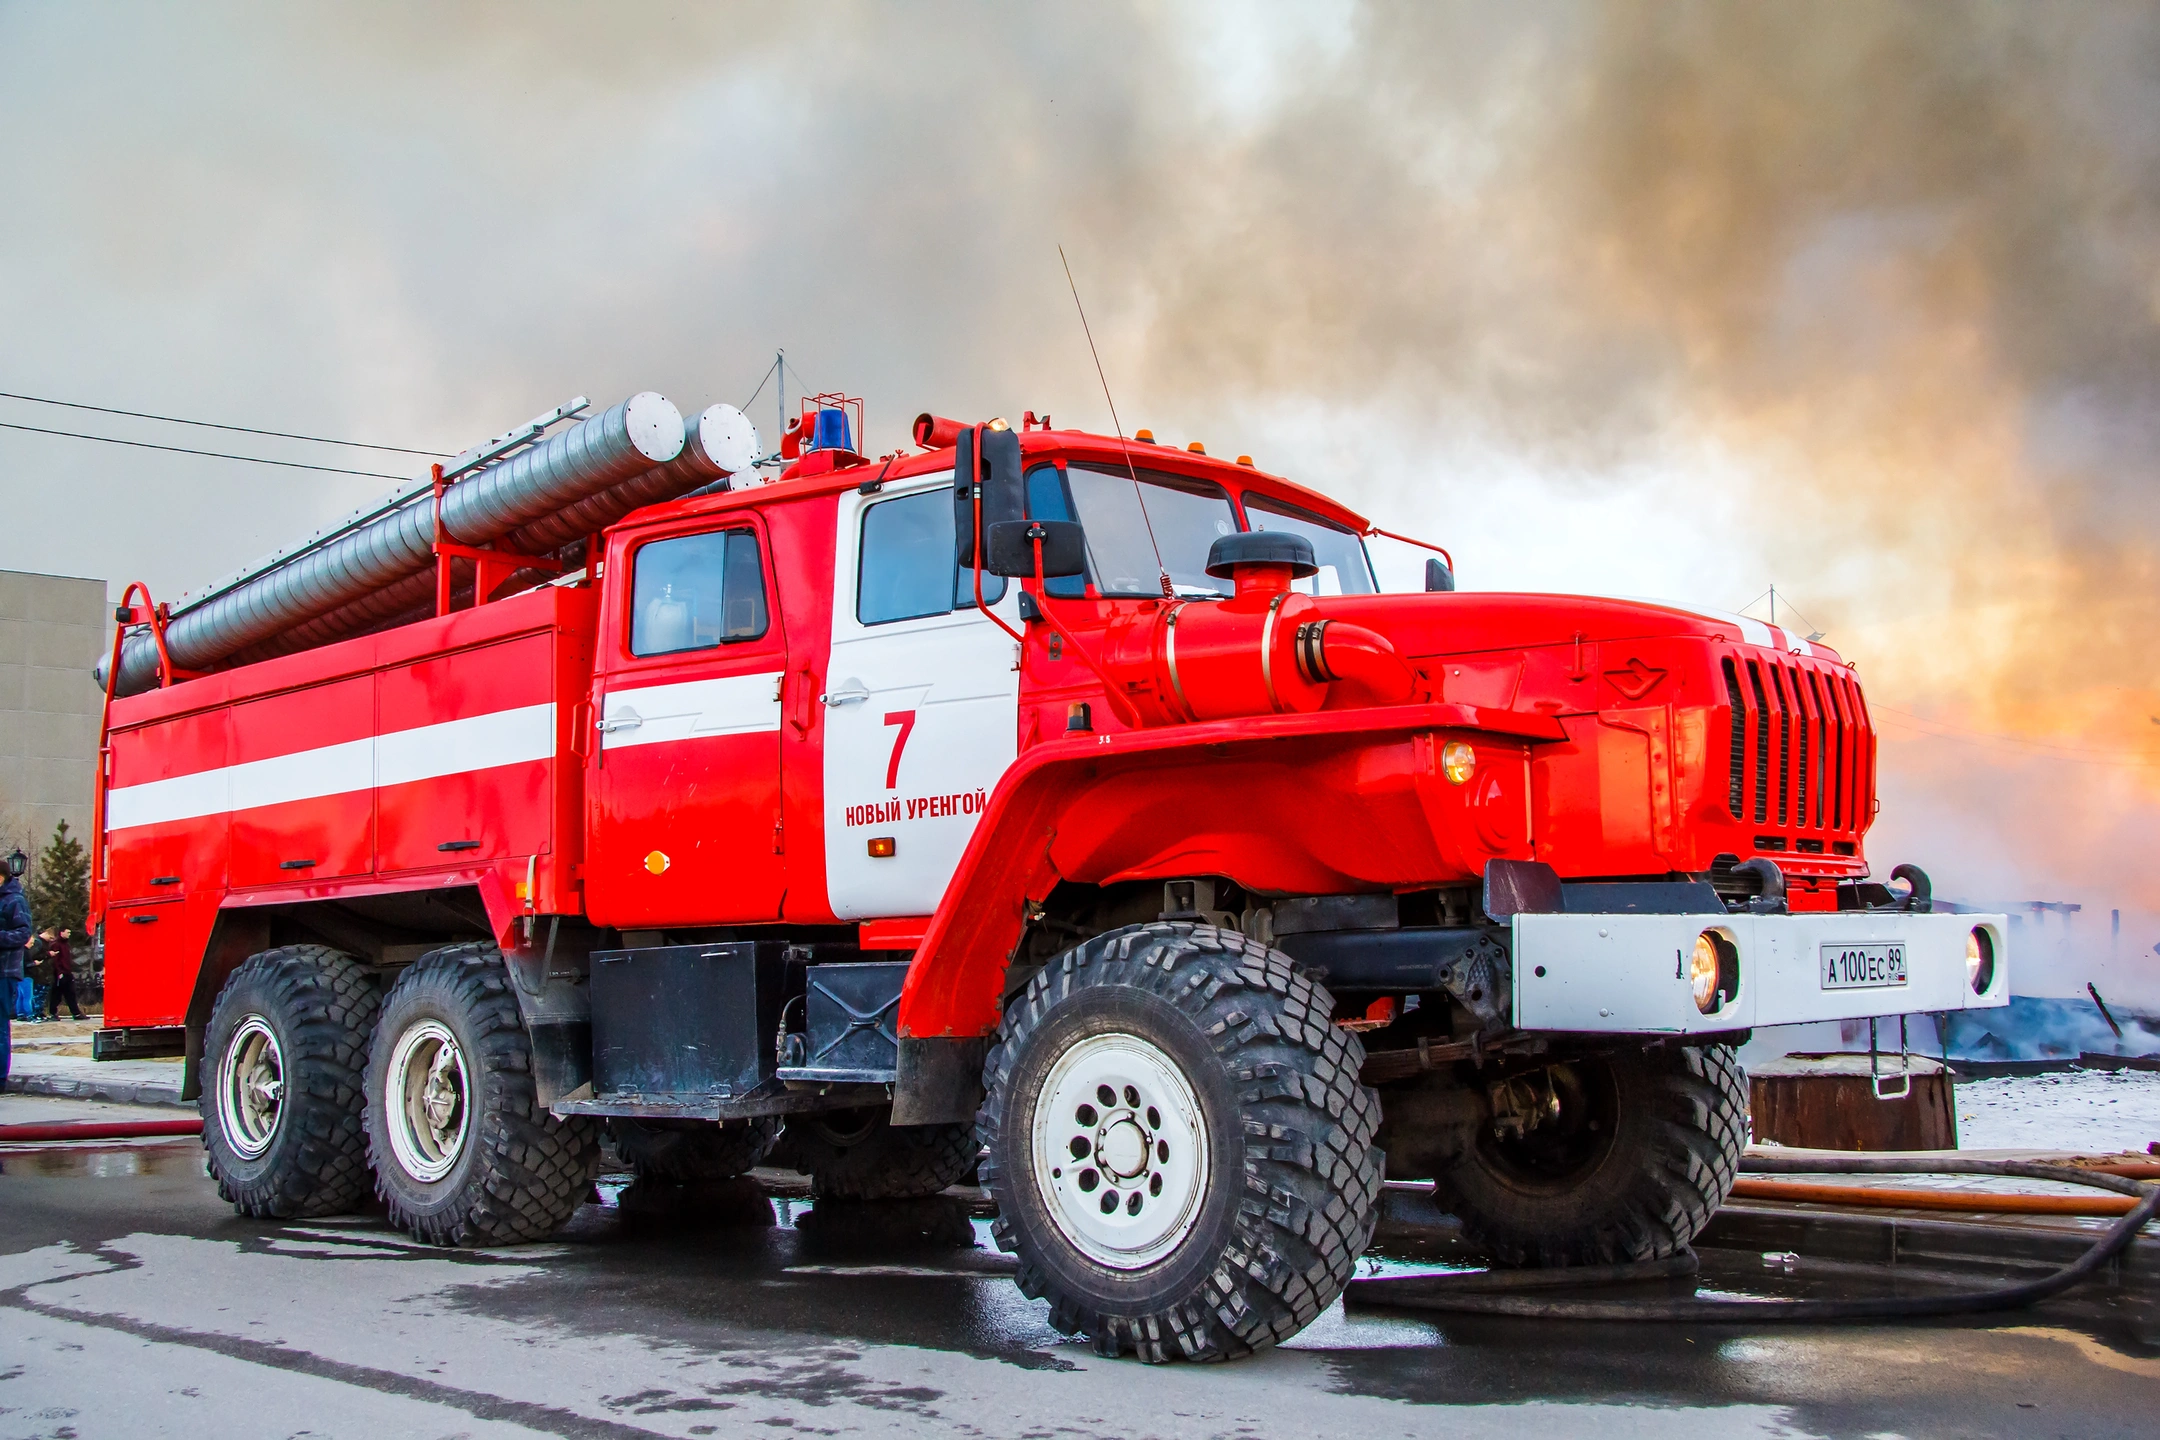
(1123, 1147)
(1120, 1150)
(426, 1097)
(251, 1087)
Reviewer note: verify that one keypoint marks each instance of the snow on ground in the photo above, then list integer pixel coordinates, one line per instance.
(2087, 1111)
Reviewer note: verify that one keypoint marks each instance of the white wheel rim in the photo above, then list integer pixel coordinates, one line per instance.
(1122, 1176)
(427, 1100)
(251, 1088)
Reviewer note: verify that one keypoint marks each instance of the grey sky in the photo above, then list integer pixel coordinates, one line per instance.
(1656, 299)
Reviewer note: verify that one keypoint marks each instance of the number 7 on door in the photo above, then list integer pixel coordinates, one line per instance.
(905, 719)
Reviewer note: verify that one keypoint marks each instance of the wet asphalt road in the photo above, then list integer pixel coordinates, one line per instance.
(137, 1304)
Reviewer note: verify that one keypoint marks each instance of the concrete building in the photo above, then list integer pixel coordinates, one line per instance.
(51, 627)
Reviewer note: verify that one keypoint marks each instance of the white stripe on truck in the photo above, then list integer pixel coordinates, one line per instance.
(691, 710)
(424, 752)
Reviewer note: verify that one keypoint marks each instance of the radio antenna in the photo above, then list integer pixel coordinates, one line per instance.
(1139, 496)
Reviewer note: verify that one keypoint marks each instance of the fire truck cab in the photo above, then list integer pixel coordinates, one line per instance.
(1068, 811)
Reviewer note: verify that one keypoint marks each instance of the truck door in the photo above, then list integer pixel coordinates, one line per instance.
(684, 818)
(922, 701)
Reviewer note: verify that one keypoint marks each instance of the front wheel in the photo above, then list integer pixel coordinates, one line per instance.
(1631, 1154)
(464, 1153)
(1180, 1148)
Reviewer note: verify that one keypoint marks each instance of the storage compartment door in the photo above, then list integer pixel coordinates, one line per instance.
(303, 785)
(465, 761)
(168, 807)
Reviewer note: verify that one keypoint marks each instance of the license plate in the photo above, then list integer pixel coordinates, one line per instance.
(1862, 967)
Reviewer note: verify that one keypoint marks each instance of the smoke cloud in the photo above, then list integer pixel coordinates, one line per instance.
(1676, 300)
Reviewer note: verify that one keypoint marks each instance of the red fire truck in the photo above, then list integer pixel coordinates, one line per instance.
(1069, 806)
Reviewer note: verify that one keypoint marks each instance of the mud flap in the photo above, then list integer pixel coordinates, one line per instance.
(555, 1003)
(939, 1081)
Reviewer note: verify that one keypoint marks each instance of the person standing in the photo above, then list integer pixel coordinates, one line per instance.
(38, 971)
(60, 950)
(15, 932)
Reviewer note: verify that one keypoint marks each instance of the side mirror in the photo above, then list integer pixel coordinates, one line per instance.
(1437, 575)
(1011, 548)
(985, 460)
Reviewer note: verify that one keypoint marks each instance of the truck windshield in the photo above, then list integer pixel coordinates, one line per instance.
(1185, 515)
(1344, 567)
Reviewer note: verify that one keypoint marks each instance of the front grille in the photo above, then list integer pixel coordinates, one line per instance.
(1762, 745)
(1736, 784)
(1813, 775)
(1842, 718)
(1784, 743)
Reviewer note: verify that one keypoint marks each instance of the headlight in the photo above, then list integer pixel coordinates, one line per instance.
(1979, 959)
(1713, 971)
(1457, 761)
(1702, 972)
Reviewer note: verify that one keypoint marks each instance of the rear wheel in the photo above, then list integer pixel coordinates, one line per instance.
(1633, 1153)
(285, 1051)
(1179, 1145)
(666, 1154)
(862, 1155)
(464, 1153)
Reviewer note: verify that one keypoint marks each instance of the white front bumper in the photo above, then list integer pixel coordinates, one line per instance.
(1628, 974)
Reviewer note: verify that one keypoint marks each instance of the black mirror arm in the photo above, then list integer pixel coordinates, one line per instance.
(996, 618)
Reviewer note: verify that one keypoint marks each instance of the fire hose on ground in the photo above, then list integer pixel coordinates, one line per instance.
(1444, 1293)
(99, 1130)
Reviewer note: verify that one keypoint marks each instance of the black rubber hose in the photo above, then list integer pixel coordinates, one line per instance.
(1801, 1312)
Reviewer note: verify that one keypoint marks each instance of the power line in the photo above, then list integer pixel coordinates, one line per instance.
(213, 425)
(213, 454)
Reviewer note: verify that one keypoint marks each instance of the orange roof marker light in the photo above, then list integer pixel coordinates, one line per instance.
(1145, 437)
(1246, 461)
(1197, 448)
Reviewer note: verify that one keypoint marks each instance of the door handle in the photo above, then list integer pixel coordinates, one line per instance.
(852, 692)
(620, 722)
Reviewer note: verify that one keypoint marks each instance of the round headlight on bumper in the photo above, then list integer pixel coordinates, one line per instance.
(1713, 971)
(1979, 959)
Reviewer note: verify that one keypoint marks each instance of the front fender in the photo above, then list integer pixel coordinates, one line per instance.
(1331, 802)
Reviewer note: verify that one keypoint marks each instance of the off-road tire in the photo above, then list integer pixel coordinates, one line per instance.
(521, 1172)
(691, 1155)
(321, 1006)
(1673, 1129)
(1293, 1179)
(862, 1155)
